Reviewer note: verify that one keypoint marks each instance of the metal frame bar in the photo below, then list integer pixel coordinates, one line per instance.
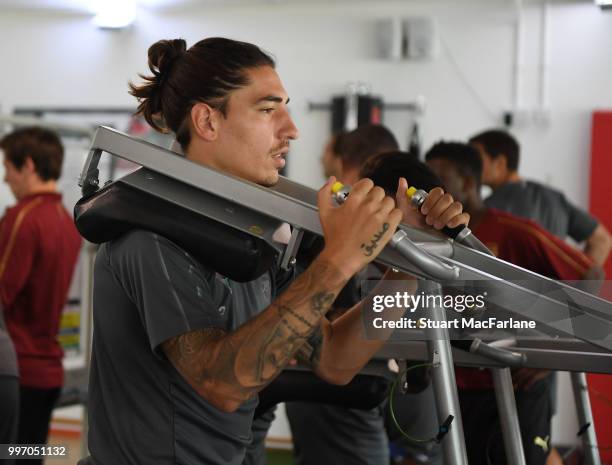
(585, 418)
(551, 354)
(296, 204)
(508, 416)
(444, 383)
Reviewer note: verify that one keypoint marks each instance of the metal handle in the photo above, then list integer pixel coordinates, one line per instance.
(461, 233)
(89, 176)
(508, 358)
(426, 262)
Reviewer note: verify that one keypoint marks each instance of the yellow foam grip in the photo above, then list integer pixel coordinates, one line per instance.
(337, 186)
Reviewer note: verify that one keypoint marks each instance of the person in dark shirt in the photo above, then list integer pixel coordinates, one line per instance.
(319, 431)
(415, 408)
(528, 245)
(181, 352)
(39, 247)
(548, 207)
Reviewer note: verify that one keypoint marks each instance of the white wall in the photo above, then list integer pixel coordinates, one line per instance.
(61, 60)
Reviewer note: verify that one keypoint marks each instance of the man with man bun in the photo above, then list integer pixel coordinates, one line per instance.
(181, 352)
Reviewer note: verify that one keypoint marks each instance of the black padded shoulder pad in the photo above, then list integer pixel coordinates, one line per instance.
(119, 208)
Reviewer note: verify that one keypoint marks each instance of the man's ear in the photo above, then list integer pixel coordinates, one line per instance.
(205, 121)
(28, 166)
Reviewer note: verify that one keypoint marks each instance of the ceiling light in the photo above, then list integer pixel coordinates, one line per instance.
(114, 14)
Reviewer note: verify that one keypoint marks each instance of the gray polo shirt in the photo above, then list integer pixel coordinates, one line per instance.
(545, 206)
(141, 411)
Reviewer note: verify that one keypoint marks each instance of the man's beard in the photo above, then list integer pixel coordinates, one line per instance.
(270, 181)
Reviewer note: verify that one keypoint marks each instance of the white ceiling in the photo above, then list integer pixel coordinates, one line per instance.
(86, 6)
(82, 6)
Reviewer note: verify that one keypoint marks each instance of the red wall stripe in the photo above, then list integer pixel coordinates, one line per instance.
(600, 205)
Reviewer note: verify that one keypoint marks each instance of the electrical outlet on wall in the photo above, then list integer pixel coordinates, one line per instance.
(421, 40)
(411, 38)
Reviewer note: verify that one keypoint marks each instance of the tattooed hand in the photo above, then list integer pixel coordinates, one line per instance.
(358, 230)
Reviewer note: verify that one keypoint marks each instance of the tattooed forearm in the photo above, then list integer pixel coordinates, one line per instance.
(322, 301)
(368, 249)
(228, 369)
(298, 313)
(310, 352)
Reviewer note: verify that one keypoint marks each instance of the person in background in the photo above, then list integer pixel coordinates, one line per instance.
(528, 245)
(39, 247)
(320, 431)
(330, 158)
(346, 152)
(548, 207)
(500, 153)
(416, 409)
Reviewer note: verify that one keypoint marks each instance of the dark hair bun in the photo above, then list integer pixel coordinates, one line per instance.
(163, 54)
(207, 72)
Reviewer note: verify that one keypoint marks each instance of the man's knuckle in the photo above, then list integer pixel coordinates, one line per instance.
(378, 190)
(366, 184)
(388, 202)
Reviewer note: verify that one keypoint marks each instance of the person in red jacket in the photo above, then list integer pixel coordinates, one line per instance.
(526, 244)
(39, 247)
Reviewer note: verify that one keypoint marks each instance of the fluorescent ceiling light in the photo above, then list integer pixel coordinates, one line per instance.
(114, 14)
(604, 3)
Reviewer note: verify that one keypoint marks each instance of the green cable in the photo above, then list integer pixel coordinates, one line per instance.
(433, 439)
(392, 395)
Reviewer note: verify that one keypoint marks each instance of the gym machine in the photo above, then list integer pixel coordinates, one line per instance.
(578, 324)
